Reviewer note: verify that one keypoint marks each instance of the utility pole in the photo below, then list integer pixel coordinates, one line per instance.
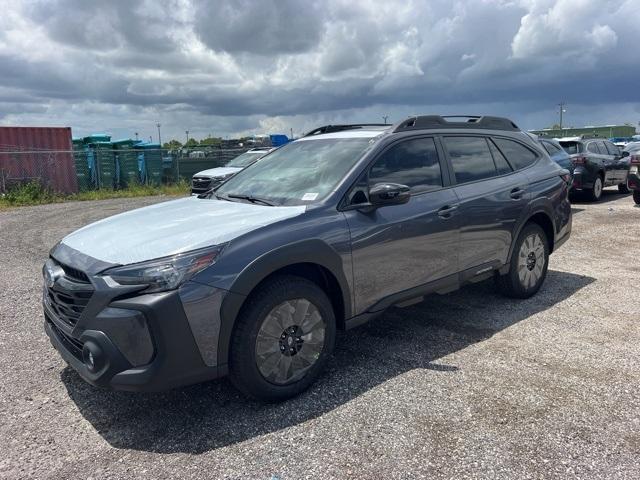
(187, 133)
(159, 138)
(291, 137)
(136, 136)
(384, 117)
(562, 110)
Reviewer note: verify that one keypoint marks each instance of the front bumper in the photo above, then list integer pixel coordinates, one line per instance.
(143, 343)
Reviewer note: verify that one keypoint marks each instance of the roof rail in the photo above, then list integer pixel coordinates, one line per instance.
(340, 128)
(421, 122)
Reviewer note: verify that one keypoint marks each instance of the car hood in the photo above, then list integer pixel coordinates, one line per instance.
(172, 227)
(218, 172)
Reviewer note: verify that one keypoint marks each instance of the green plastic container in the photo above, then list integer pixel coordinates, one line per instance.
(83, 172)
(105, 164)
(152, 162)
(126, 158)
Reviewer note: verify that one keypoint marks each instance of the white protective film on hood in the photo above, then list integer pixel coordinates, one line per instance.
(172, 227)
(218, 172)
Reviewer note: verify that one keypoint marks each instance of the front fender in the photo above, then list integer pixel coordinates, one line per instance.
(306, 251)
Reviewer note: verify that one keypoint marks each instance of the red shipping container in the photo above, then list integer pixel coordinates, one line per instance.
(41, 154)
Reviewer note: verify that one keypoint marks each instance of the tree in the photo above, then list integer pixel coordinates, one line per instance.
(210, 141)
(172, 145)
(191, 143)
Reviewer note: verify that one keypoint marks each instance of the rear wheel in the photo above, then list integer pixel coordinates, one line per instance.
(624, 188)
(529, 263)
(596, 191)
(282, 340)
(636, 196)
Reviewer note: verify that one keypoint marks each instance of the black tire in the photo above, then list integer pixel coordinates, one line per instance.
(624, 188)
(595, 193)
(512, 284)
(636, 196)
(245, 364)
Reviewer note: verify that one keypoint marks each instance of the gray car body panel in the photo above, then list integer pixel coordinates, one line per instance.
(376, 257)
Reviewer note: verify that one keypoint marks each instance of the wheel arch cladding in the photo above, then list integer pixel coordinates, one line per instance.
(544, 221)
(310, 259)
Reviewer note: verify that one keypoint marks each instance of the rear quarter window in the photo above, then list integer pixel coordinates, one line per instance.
(571, 147)
(518, 155)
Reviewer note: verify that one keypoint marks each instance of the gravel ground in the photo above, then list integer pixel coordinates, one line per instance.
(467, 385)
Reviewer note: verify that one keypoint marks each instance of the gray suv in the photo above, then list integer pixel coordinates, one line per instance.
(253, 278)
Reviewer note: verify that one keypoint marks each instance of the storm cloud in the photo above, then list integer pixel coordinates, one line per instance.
(241, 66)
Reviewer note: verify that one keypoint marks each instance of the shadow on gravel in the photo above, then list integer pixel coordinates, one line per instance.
(607, 196)
(204, 417)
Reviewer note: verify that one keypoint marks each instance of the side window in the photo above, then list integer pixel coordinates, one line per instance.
(611, 148)
(502, 166)
(551, 148)
(547, 147)
(518, 155)
(592, 147)
(471, 158)
(413, 163)
(603, 149)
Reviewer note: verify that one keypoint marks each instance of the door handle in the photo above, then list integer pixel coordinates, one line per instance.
(446, 211)
(517, 193)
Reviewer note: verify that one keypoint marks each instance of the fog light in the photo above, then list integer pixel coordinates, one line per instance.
(91, 356)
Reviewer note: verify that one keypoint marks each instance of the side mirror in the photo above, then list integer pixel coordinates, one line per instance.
(625, 154)
(382, 194)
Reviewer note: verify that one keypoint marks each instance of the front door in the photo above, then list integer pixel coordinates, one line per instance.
(399, 247)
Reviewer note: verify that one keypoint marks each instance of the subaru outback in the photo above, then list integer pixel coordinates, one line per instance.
(253, 278)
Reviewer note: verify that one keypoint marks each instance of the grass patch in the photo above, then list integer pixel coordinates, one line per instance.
(34, 193)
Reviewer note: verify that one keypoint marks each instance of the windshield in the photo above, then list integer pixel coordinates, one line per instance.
(247, 158)
(298, 173)
(571, 147)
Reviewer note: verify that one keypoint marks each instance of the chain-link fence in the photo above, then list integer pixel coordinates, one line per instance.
(106, 166)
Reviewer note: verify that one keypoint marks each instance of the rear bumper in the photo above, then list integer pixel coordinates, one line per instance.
(121, 357)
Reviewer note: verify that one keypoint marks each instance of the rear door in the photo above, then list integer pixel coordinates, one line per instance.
(601, 160)
(492, 197)
(621, 165)
(399, 247)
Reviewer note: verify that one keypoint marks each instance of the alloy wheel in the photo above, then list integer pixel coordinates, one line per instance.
(290, 341)
(531, 261)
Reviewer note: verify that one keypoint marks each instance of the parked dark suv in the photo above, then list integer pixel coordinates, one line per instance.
(598, 164)
(253, 279)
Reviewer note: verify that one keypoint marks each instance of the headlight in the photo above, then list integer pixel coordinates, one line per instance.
(165, 273)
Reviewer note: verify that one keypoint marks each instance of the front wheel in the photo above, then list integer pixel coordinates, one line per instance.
(282, 340)
(636, 196)
(529, 263)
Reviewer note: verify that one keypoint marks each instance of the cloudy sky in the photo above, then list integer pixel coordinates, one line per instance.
(242, 67)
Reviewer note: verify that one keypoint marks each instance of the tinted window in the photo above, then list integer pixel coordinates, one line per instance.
(602, 148)
(502, 166)
(611, 148)
(518, 155)
(571, 147)
(471, 158)
(413, 163)
(592, 147)
(551, 148)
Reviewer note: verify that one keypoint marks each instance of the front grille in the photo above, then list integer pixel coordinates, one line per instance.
(69, 295)
(200, 184)
(71, 344)
(75, 274)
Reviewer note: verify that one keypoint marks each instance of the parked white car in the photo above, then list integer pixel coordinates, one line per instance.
(207, 179)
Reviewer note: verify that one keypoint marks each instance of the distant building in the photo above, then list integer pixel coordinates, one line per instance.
(606, 131)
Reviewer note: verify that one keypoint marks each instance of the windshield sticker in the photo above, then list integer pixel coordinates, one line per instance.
(309, 196)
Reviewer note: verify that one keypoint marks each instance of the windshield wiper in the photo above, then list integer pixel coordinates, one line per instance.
(251, 199)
